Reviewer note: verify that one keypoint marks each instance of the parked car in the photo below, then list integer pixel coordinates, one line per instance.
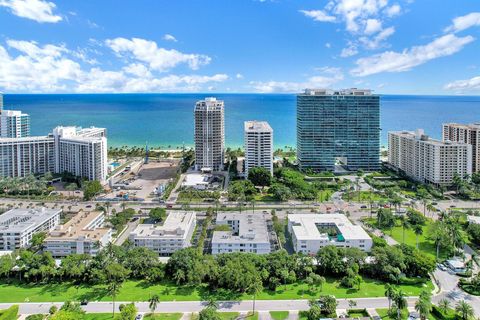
(363, 207)
(83, 302)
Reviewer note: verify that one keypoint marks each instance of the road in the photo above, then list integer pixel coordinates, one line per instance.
(449, 290)
(196, 306)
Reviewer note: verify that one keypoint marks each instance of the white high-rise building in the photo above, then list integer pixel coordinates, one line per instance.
(13, 123)
(20, 157)
(209, 134)
(81, 152)
(469, 134)
(258, 137)
(428, 160)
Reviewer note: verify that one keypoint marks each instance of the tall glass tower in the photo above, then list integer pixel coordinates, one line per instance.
(338, 130)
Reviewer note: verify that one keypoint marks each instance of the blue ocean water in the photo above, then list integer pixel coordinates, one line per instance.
(167, 119)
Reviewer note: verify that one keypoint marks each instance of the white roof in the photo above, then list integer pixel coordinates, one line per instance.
(252, 228)
(20, 220)
(195, 179)
(257, 126)
(473, 219)
(176, 225)
(305, 226)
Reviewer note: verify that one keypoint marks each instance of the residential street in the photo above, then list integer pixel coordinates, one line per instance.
(196, 306)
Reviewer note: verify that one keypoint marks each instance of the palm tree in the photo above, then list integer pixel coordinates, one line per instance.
(255, 288)
(444, 305)
(389, 293)
(418, 229)
(400, 301)
(152, 303)
(464, 310)
(405, 225)
(424, 305)
(431, 208)
(113, 289)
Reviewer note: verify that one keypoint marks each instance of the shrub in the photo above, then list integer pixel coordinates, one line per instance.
(10, 313)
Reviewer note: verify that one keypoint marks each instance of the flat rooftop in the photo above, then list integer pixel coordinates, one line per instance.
(20, 220)
(80, 226)
(421, 136)
(341, 92)
(175, 226)
(257, 126)
(252, 228)
(194, 179)
(305, 226)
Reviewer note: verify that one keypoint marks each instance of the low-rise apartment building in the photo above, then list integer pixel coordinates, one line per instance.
(428, 160)
(175, 233)
(83, 234)
(248, 233)
(17, 226)
(310, 232)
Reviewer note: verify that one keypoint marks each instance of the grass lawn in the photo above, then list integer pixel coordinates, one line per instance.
(228, 315)
(324, 195)
(365, 196)
(279, 315)
(424, 244)
(163, 316)
(141, 291)
(98, 316)
(383, 313)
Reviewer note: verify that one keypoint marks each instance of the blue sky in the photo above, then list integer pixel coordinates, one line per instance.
(390, 46)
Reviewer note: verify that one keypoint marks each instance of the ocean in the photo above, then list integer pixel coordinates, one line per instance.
(166, 120)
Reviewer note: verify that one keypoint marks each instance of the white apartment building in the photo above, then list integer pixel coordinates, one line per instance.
(310, 232)
(258, 139)
(81, 151)
(20, 157)
(209, 135)
(470, 134)
(428, 160)
(175, 233)
(14, 124)
(17, 226)
(83, 234)
(248, 233)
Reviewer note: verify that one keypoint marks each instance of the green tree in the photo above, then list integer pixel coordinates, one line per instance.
(444, 305)
(128, 311)
(157, 214)
(91, 189)
(464, 310)
(153, 302)
(400, 301)
(209, 313)
(260, 176)
(390, 294)
(424, 304)
(418, 230)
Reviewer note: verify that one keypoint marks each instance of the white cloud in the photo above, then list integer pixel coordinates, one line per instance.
(318, 15)
(467, 85)
(29, 67)
(349, 51)
(372, 26)
(38, 10)
(169, 37)
(328, 45)
(391, 61)
(393, 11)
(332, 76)
(239, 76)
(377, 40)
(159, 59)
(138, 69)
(464, 22)
(364, 19)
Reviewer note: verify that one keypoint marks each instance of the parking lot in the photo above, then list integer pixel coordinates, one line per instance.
(149, 177)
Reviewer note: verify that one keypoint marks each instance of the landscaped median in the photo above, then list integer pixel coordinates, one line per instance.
(142, 291)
